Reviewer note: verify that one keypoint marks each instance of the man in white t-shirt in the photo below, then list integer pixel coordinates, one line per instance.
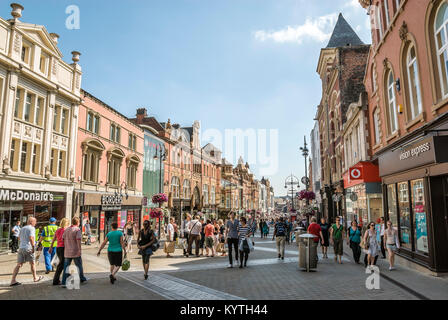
(185, 233)
(195, 228)
(15, 237)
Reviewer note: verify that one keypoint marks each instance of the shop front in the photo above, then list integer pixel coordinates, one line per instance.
(415, 191)
(103, 209)
(363, 196)
(18, 205)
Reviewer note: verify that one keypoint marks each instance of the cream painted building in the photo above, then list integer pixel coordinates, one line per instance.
(39, 99)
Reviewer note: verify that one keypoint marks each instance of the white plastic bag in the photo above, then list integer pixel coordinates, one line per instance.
(55, 261)
(41, 257)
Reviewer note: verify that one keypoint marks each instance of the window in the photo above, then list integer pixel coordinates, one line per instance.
(397, 5)
(43, 64)
(392, 204)
(379, 25)
(64, 121)
(115, 133)
(18, 102)
(419, 211)
(376, 124)
(27, 111)
(205, 193)
(60, 164)
(405, 215)
(36, 159)
(96, 124)
(23, 157)
(212, 195)
(25, 55)
(386, 12)
(175, 187)
(441, 29)
(186, 191)
(132, 142)
(38, 111)
(92, 151)
(391, 103)
(52, 157)
(115, 170)
(132, 174)
(13, 154)
(56, 119)
(415, 100)
(89, 121)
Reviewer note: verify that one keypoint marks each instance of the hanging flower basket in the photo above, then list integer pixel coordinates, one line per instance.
(156, 213)
(159, 198)
(307, 195)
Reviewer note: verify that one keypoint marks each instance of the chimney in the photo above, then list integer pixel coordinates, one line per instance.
(75, 56)
(16, 10)
(141, 115)
(54, 37)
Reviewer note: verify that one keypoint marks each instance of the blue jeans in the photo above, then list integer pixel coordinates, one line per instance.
(48, 258)
(78, 263)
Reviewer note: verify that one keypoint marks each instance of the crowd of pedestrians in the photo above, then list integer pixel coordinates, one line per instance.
(232, 237)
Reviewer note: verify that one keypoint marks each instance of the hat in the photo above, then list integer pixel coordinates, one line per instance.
(52, 219)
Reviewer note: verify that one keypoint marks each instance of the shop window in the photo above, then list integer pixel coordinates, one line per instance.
(419, 211)
(414, 95)
(405, 215)
(392, 204)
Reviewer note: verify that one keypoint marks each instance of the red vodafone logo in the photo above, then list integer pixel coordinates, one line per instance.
(355, 173)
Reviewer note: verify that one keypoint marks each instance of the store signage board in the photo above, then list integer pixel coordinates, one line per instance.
(23, 195)
(427, 151)
(111, 202)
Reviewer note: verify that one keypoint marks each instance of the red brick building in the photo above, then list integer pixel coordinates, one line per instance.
(407, 85)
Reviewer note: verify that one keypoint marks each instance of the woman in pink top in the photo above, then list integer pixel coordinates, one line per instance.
(59, 250)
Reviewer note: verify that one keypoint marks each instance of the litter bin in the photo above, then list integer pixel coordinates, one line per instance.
(307, 252)
(298, 232)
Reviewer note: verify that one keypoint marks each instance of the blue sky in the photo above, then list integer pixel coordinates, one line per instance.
(228, 63)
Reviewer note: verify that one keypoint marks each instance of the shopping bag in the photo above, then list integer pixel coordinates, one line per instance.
(220, 248)
(251, 245)
(55, 261)
(41, 257)
(126, 264)
(169, 247)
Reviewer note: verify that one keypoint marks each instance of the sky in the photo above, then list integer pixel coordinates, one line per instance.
(231, 64)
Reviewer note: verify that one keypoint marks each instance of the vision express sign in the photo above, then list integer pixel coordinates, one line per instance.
(430, 150)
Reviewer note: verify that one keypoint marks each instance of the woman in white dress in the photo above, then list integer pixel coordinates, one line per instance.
(371, 244)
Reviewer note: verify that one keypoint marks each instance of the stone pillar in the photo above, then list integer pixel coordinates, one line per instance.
(8, 119)
(72, 146)
(48, 130)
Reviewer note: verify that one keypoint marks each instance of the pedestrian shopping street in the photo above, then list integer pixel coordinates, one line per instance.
(265, 278)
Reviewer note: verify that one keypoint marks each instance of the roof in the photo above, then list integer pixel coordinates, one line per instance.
(343, 35)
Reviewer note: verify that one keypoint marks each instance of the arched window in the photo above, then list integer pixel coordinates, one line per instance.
(186, 191)
(415, 99)
(391, 103)
(441, 29)
(92, 151)
(175, 187)
(115, 157)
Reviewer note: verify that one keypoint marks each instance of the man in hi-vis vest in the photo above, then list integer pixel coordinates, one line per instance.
(47, 237)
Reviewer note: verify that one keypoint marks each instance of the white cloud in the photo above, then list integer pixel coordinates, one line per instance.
(318, 29)
(353, 3)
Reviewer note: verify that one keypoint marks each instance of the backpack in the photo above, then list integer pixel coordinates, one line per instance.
(281, 230)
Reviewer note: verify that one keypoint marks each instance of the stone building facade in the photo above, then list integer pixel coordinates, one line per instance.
(341, 68)
(39, 105)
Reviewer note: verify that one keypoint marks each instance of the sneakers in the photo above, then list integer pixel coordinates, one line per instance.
(230, 266)
(391, 268)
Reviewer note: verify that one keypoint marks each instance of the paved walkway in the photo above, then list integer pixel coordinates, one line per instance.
(265, 278)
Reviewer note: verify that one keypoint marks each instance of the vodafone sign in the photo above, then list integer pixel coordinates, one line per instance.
(355, 173)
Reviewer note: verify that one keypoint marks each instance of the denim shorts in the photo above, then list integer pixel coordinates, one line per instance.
(392, 247)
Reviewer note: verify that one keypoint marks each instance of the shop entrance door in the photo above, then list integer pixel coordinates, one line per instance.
(5, 227)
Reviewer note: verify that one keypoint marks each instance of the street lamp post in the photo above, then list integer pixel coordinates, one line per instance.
(305, 153)
(292, 181)
(162, 156)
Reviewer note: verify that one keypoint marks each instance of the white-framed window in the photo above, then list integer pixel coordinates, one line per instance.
(441, 29)
(60, 120)
(205, 193)
(376, 124)
(386, 12)
(186, 191)
(379, 24)
(391, 103)
(175, 187)
(213, 195)
(415, 99)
